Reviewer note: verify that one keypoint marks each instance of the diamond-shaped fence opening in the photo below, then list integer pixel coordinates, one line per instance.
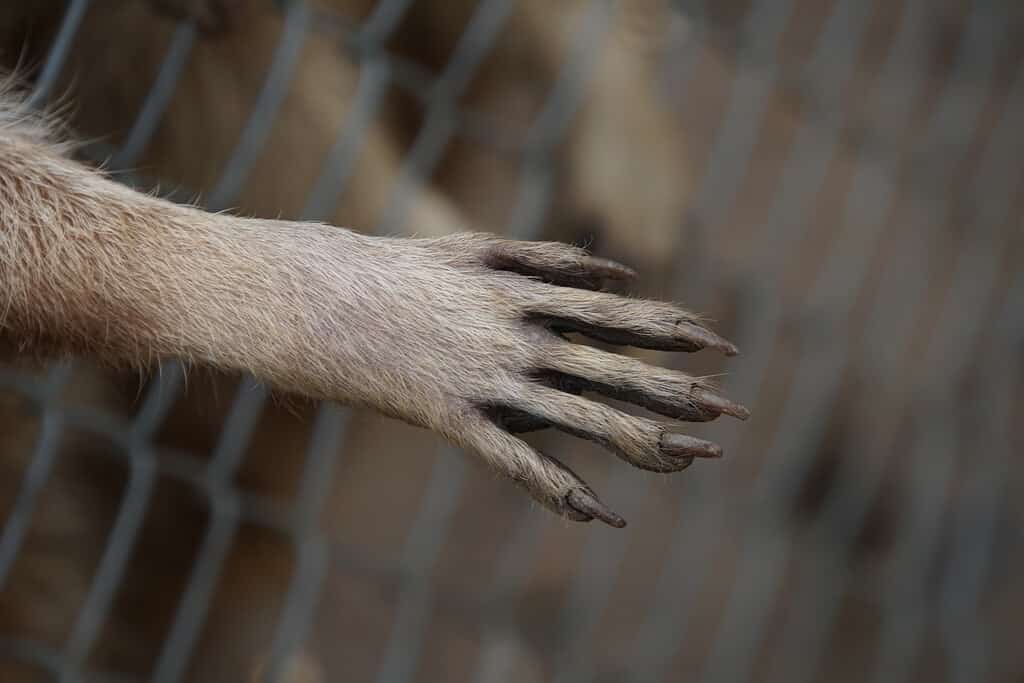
(848, 210)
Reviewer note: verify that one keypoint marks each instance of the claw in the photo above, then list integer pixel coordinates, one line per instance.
(585, 502)
(689, 446)
(606, 268)
(707, 339)
(719, 404)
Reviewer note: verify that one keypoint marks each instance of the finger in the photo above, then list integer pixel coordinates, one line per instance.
(555, 262)
(641, 442)
(666, 392)
(517, 421)
(621, 320)
(550, 482)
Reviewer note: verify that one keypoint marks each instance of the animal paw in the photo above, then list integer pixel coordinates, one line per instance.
(483, 354)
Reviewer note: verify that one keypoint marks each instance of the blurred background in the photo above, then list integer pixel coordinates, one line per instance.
(835, 183)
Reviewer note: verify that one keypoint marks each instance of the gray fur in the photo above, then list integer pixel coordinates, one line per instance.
(430, 330)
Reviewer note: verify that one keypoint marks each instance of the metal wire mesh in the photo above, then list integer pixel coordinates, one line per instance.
(870, 238)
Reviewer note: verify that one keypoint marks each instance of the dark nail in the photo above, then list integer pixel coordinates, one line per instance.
(576, 515)
(610, 269)
(585, 502)
(689, 446)
(716, 402)
(707, 339)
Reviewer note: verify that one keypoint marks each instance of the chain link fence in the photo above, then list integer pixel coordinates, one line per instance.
(852, 220)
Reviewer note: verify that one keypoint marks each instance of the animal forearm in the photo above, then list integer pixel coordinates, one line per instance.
(90, 266)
